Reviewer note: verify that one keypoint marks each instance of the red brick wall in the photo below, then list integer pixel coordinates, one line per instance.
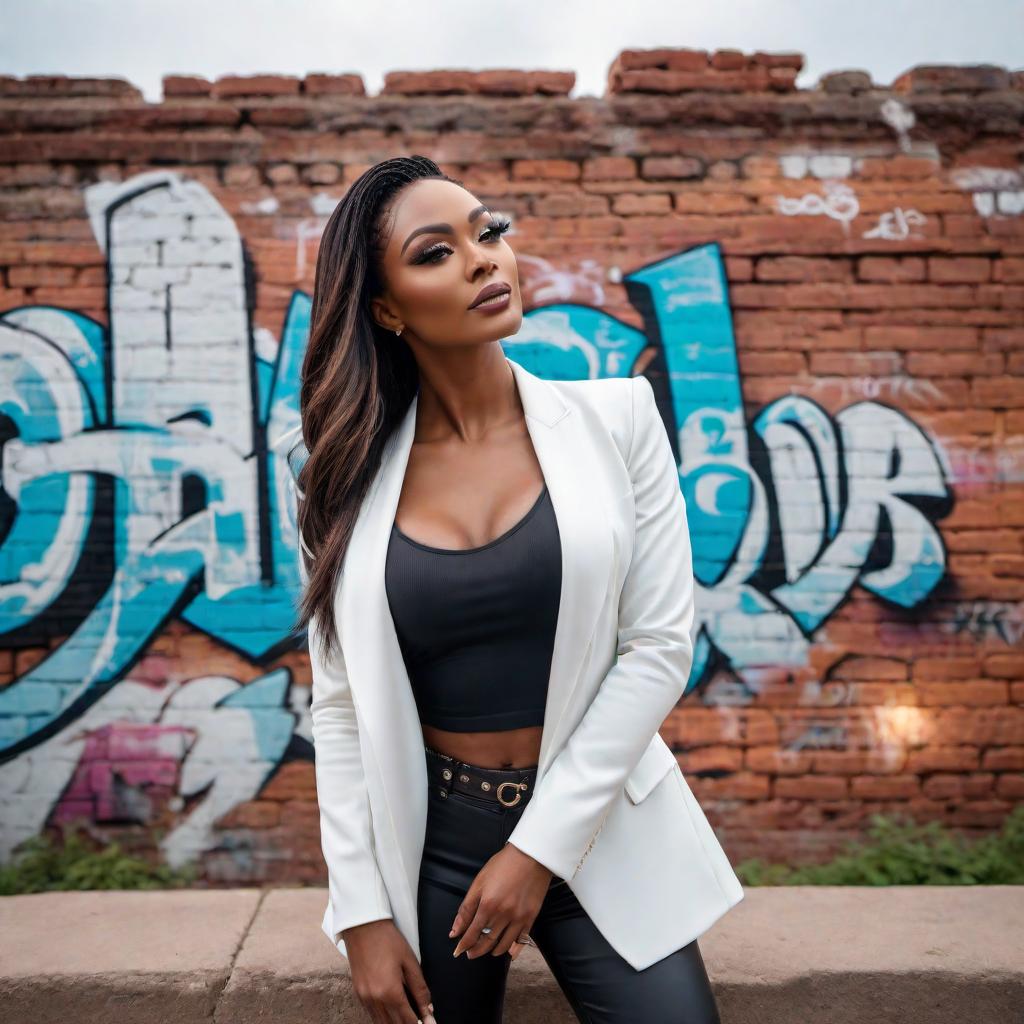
(871, 243)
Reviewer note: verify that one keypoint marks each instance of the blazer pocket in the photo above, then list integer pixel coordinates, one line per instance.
(657, 761)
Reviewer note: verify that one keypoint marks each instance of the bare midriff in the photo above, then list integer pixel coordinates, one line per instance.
(508, 748)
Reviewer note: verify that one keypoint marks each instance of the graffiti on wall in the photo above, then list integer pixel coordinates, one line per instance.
(140, 489)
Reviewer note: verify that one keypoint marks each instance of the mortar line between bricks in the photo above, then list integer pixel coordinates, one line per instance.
(230, 972)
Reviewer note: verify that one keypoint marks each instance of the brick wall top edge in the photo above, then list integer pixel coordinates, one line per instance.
(664, 71)
(492, 82)
(60, 86)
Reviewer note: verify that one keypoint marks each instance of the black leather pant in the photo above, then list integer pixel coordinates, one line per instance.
(463, 833)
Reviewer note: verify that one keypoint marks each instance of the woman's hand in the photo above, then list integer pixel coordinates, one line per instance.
(505, 896)
(383, 968)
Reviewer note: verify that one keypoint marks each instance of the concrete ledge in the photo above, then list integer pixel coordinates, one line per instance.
(813, 955)
(120, 956)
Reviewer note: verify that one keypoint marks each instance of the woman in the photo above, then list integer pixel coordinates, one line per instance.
(498, 595)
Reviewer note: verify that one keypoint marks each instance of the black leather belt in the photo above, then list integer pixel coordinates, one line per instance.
(506, 786)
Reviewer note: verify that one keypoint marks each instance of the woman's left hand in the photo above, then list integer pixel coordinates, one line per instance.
(505, 896)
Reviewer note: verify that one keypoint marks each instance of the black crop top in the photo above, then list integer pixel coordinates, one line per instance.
(476, 626)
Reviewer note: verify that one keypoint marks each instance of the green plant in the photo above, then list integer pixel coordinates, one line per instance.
(42, 865)
(897, 852)
(900, 852)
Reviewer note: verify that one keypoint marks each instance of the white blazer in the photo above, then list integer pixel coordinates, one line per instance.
(611, 812)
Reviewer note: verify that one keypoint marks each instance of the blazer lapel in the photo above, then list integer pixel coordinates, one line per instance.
(380, 684)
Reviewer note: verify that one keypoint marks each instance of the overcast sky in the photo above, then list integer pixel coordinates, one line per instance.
(142, 40)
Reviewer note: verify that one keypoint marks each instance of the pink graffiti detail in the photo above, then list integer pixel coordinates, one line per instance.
(124, 769)
(981, 467)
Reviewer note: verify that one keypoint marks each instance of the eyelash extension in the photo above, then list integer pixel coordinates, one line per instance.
(496, 226)
(500, 225)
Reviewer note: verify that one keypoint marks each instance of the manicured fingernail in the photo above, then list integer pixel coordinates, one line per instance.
(430, 1007)
(451, 933)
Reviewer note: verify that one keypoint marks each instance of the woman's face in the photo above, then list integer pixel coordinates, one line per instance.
(444, 248)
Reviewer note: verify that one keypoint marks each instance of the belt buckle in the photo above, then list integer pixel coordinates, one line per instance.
(517, 786)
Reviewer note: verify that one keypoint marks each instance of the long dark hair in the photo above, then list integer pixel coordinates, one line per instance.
(357, 381)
